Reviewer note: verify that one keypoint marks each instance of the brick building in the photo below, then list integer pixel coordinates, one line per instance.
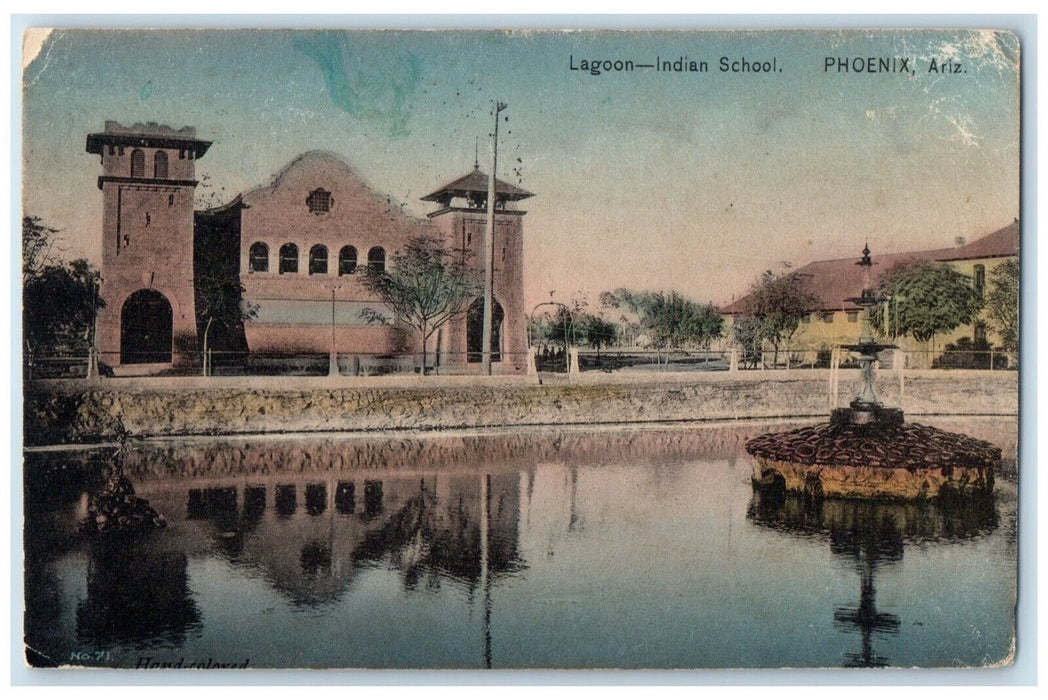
(297, 245)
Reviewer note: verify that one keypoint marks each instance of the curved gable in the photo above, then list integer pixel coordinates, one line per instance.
(319, 198)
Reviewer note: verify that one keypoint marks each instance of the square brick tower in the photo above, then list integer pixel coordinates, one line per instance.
(147, 243)
(462, 220)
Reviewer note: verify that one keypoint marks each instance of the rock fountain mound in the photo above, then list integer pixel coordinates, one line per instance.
(115, 509)
(875, 460)
(868, 450)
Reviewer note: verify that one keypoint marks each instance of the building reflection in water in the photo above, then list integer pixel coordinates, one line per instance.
(431, 528)
(872, 535)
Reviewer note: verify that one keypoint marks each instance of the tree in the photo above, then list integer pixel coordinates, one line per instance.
(748, 333)
(59, 299)
(777, 303)
(220, 303)
(924, 299)
(1002, 304)
(598, 331)
(426, 285)
(59, 306)
(38, 242)
(670, 318)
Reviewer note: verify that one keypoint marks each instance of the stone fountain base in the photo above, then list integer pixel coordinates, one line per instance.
(879, 459)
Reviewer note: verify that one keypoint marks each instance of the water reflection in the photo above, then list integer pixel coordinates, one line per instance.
(606, 550)
(136, 595)
(430, 529)
(872, 535)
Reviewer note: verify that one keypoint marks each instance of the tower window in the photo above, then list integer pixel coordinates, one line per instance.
(258, 258)
(318, 260)
(347, 260)
(377, 259)
(319, 201)
(288, 259)
(160, 165)
(138, 163)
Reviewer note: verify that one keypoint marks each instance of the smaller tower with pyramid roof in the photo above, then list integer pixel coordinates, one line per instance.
(461, 219)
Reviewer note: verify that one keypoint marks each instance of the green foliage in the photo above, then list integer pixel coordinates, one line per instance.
(1002, 304)
(923, 300)
(777, 303)
(598, 331)
(220, 300)
(38, 241)
(59, 300)
(426, 285)
(670, 318)
(748, 333)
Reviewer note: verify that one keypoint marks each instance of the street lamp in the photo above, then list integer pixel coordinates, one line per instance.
(333, 354)
(92, 359)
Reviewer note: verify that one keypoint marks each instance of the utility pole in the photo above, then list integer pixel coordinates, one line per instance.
(489, 250)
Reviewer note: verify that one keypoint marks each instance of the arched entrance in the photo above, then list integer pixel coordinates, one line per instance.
(145, 328)
(475, 331)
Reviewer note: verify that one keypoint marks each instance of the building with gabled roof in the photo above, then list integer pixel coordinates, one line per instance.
(835, 282)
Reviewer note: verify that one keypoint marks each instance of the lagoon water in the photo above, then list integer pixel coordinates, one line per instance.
(628, 548)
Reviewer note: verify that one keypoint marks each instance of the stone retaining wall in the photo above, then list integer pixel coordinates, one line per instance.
(62, 412)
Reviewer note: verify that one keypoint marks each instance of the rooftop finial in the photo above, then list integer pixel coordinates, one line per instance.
(476, 154)
(866, 261)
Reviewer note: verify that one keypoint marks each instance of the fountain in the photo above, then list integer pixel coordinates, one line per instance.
(868, 450)
(114, 508)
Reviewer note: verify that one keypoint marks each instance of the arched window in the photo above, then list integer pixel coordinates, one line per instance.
(138, 163)
(377, 259)
(347, 260)
(288, 259)
(318, 260)
(160, 165)
(258, 258)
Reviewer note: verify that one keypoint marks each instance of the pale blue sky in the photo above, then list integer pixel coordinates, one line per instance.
(648, 180)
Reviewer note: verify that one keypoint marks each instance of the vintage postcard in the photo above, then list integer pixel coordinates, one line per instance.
(520, 349)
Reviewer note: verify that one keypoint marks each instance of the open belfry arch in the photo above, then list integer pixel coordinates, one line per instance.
(298, 246)
(461, 217)
(147, 187)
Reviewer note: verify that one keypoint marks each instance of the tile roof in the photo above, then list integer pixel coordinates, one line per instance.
(476, 182)
(833, 281)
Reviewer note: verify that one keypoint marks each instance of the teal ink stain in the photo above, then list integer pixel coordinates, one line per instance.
(376, 88)
(146, 90)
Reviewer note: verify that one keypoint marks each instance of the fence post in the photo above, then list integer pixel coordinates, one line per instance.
(733, 363)
(991, 358)
(532, 367)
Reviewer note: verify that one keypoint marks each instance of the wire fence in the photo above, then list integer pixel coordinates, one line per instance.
(545, 360)
(263, 364)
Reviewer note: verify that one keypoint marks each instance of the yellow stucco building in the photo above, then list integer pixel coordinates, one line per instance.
(838, 321)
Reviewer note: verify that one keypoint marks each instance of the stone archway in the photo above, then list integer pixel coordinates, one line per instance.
(475, 331)
(146, 328)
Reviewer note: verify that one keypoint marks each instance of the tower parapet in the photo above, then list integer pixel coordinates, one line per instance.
(147, 188)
